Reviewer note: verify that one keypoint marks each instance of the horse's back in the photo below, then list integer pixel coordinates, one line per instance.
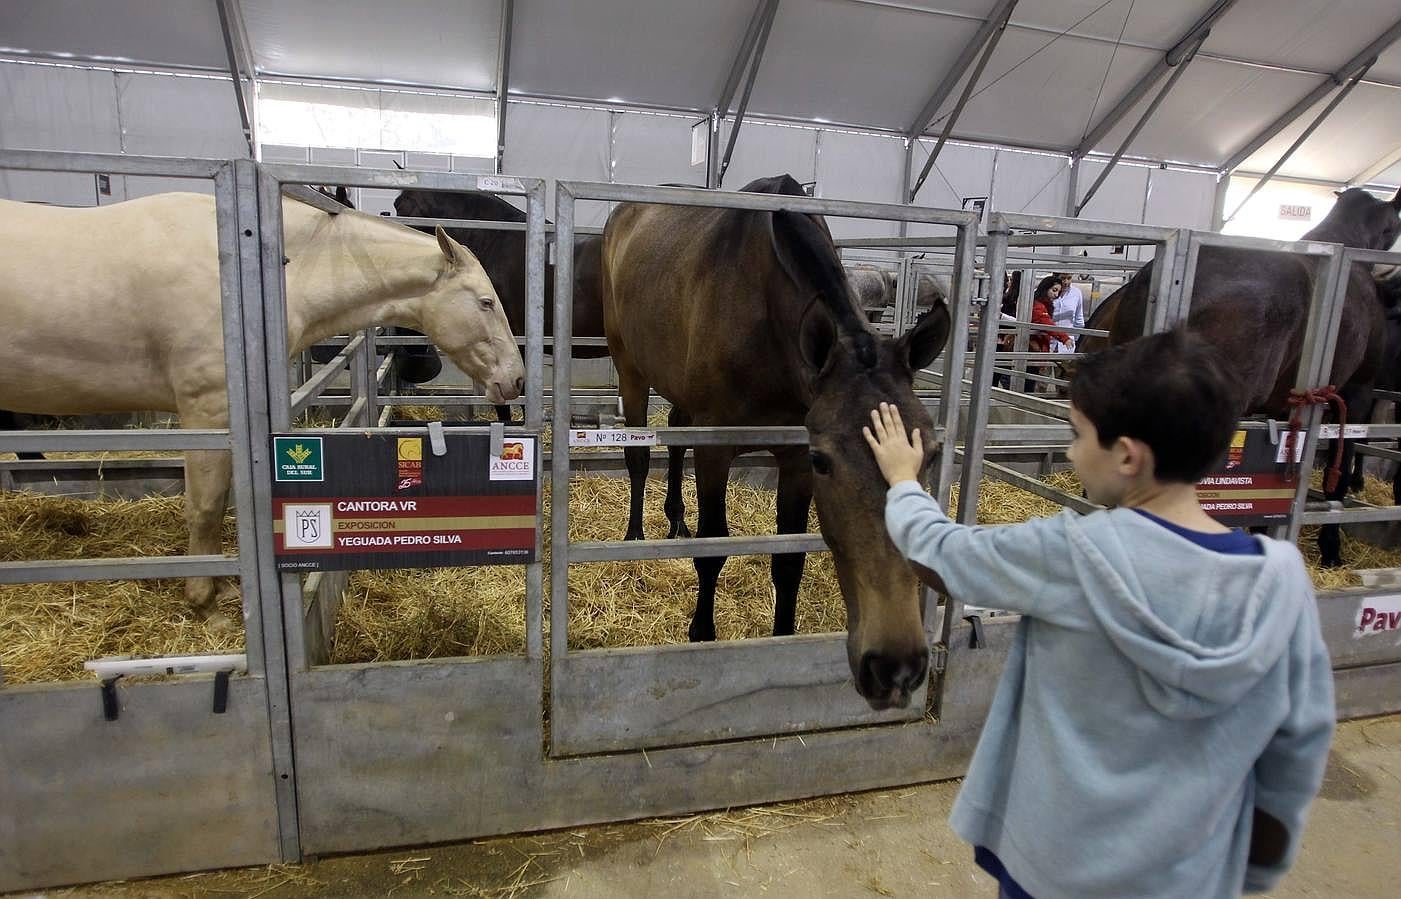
(96, 297)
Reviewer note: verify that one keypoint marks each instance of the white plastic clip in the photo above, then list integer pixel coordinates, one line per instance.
(498, 437)
(437, 439)
(1274, 432)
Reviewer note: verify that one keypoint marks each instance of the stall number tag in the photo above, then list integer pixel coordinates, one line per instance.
(487, 182)
(1325, 432)
(612, 437)
(1378, 615)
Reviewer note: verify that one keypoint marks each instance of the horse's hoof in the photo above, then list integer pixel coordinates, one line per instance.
(678, 529)
(1336, 562)
(634, 534)
(700, 633)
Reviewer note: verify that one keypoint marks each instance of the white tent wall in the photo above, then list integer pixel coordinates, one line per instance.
(1178, 199)
(764, 149)
(653, 149)
(53, 108)
(960, 171)
(860, 167)
(1030, 183)
(559, 142)
(50, 107)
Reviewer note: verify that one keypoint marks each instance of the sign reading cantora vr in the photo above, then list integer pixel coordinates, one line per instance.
(353, 501)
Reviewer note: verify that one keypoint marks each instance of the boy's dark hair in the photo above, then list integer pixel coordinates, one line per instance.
(1169, 390)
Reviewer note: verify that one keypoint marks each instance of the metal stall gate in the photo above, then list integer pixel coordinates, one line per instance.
(1360, 625)
(427, 751)
(171, 776)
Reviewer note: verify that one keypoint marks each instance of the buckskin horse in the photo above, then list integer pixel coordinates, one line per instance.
(129, 317)
(1253, 305)
(743, 318)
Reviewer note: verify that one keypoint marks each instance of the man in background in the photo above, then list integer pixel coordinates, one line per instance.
(1069, 312)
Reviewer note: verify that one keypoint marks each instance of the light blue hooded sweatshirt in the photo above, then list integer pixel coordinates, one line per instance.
(1156, 694)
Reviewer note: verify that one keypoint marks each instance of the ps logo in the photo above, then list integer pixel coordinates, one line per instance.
(307, 526)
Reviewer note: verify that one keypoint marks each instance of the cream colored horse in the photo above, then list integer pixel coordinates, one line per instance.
(117, 308)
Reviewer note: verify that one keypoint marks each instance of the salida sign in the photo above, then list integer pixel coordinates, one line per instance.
(381, 502)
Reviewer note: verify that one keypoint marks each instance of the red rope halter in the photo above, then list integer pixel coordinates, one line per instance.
(1315, 396)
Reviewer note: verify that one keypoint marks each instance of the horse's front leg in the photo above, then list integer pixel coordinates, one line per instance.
(794, 501)
(634, 391)
(675, 470)
(207, 478)
(712, 478)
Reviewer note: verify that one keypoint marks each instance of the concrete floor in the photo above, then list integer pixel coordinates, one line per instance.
(889, 843)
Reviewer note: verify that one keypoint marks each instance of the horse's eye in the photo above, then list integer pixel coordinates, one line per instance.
(487, 302)
(821, 462)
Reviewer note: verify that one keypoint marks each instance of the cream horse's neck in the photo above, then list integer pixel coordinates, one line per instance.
(349, 271)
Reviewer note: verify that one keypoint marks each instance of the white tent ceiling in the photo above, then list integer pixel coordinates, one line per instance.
(1058, 69)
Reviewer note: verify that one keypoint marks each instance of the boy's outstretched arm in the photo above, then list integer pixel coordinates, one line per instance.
(1003, 567)
(1290, 770)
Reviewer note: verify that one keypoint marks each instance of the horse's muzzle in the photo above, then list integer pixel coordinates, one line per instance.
(499, 392)
(887, 681)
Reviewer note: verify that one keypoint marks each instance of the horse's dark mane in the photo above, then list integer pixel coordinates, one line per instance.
(784, 184)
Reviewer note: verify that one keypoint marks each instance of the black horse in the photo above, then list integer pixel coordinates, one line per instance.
(503, 255)
(1253, 306)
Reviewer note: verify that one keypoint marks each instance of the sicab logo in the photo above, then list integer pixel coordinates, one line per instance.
(410, 462)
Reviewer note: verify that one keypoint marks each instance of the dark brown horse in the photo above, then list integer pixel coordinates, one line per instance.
(502, 254)
(746, 319)
(1253, 306)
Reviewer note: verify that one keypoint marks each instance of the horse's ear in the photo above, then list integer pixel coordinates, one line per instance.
(805, 250)
(816, 337)
(1337, 193)
(343, 196)
(449, 246)
(922, 343)
(1396, 200)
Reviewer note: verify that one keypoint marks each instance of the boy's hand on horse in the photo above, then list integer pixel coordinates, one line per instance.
(900, 457)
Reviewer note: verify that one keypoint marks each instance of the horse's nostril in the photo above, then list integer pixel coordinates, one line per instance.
(520, 385)
(884, 673)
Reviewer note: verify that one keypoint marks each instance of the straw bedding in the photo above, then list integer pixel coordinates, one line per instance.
(48, 630)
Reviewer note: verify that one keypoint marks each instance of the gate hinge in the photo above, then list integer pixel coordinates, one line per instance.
(939, 658)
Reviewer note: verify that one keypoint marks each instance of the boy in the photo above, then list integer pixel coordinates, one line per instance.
(1167, 706)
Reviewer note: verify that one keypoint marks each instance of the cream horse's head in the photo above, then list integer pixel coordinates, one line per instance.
(462, 315)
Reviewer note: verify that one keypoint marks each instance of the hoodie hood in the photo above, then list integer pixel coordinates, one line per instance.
(1202, 627)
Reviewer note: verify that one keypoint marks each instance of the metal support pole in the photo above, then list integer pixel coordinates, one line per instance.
(1139, 126)
(980, 403)
(1073, 187)
(1170, 59)
(1316, 363)
(1021, 342)
(996, 19)
(226, 27)
(906, 172)
(559, 459)
(1372, 50)
(1299, 141)
(1375, 169)
(1218, 201)
(253, 479)
(996, 35)
(758, 55)
(712, 152)
(503, 79)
